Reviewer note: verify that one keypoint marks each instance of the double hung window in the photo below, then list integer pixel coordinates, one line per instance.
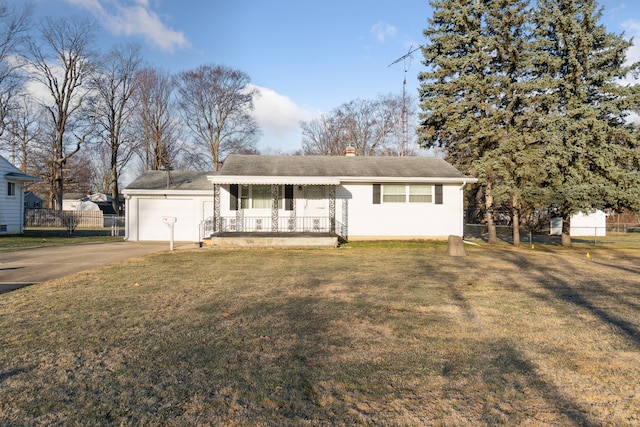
(407, 193)
(259, 196)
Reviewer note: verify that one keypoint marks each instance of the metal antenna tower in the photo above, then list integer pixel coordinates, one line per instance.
(405, 122)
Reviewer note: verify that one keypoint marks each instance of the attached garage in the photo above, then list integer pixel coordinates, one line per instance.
(185, 196)
(151, 212)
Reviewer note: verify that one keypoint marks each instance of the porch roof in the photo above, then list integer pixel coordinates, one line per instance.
(276, 180)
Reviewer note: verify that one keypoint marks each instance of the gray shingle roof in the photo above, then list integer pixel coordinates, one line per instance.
(245, 165)
(176, 180)
(339, 166)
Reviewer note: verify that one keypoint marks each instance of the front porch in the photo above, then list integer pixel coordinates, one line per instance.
(260, 231)
(274, 215)
(273, 240)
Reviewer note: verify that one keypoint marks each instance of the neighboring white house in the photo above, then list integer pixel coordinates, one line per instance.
(355, 198)
(12, 197)
(78, 202)
(88, 202)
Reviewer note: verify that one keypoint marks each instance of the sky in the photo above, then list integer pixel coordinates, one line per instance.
(306, 57)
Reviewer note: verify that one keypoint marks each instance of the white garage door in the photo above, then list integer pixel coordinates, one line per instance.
(151, 227)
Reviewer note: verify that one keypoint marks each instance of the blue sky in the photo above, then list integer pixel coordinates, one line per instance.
(306, 57)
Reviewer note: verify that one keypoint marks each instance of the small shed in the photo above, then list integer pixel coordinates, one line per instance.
(583, 224)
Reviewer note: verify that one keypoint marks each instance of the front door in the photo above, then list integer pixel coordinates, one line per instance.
(315, 201)
(315, 208)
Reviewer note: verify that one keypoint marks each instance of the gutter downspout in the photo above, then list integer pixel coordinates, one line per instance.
(464, 183)
(127, 198)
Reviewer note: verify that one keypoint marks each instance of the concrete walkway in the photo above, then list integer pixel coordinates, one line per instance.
(31, 266)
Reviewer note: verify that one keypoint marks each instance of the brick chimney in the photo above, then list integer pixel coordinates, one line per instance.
(350, 151)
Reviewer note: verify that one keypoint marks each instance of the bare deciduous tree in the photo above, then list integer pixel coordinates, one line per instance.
(216, 103)
(114, 84)
(155, 119)
(14, 23)
(24, 129)
(61, 60)
(323, 136)
(372, 127)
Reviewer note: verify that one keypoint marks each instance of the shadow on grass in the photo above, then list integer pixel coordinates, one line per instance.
(8, 287)
(502, 366)
(582, 293)
(507, 369)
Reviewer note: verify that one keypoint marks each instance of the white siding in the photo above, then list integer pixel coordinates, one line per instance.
(144, 217)
(11, 207)
(383, 221)
(402, 220)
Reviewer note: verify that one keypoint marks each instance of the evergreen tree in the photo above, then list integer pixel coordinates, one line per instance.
(508, 30)
(590, 150)
(474, 95)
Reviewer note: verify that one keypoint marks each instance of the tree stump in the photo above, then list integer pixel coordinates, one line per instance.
(455, 246)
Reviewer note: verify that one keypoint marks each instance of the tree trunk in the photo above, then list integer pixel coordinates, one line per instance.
(58, 185)
(491, 227)
(515, 217)
(516, 227)
(566, 232)
(115, 201)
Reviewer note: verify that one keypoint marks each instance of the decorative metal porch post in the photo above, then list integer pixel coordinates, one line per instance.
(291, 226)
(274, 208)
(332, 209)
(345, 219)
(216, 208)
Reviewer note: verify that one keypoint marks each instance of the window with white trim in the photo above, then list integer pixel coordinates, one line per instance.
(394, 193)
(420, 193)
(11, 189)
(259, 197)
(402, 193)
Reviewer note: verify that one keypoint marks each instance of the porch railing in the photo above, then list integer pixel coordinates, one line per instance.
(258, 224)
(253, 224)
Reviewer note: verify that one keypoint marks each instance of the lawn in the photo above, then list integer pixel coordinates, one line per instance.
(38, 238)
(397, 335)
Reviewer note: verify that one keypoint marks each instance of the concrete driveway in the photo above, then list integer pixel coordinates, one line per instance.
(30, 266)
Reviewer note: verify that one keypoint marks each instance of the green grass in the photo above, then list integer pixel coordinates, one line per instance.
(37, 238)
(367, 334)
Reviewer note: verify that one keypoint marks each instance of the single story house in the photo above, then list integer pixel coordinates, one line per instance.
(88, 202)
(352, 197)
(33, 201)
(12, 197)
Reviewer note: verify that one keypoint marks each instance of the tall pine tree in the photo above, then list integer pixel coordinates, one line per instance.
(591, 158)
(474, 94)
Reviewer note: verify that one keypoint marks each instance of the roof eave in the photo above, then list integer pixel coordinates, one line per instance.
(21, 177)
(164, 192)
(278, 180)
(327, 180)
(431, 180)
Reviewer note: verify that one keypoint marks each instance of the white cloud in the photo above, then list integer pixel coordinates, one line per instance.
(382, 30)
(124, 18)
(279, 119)
(632, 29)
(278, 113)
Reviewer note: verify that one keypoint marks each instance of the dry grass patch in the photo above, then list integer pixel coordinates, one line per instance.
(53, 237)
(369, 335)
